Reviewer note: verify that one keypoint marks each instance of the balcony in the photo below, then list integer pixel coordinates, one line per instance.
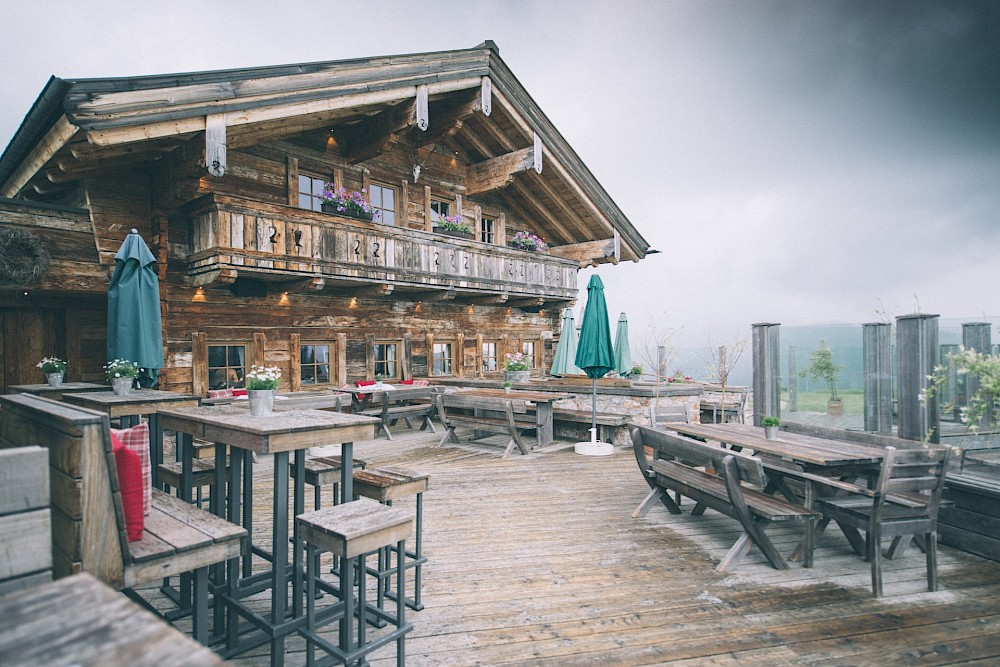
(240, 239)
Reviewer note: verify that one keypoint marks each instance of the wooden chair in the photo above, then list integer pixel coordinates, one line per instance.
(905, 501)
(661, 415)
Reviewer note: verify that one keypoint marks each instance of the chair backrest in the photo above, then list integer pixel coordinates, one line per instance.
(915, 473)
(85, 488)
(498, 404)
(691, 452)
(668, 413)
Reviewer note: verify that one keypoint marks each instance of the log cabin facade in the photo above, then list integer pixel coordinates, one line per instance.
(221, 173)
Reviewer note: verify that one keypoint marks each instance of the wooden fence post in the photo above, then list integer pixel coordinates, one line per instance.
(917, 342)
(766, 372)
(877, 350)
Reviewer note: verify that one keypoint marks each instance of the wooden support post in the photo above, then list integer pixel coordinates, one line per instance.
(341, 364)
(766, 372)
(295, 362)
(793, 378)
(877, 350)
(917, 343)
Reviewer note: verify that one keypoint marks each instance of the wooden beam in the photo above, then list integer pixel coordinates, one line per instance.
(374, 290)
(533, 302)
(446, 120)
(488, 300)
(215, 144)
(371, 136)
(57, 137)
(441, 295)
(497, 172)
(587, 253)
(216, 277)
(314, 284)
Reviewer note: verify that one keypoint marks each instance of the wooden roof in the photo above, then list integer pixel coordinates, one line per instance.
(476, 107)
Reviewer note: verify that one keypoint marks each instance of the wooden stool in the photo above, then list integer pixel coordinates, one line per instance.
(324, 470)
(202, 474)
(351, 531)
(386, 485)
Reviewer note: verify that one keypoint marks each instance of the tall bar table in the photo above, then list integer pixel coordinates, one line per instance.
(279, 434)
(131, 407)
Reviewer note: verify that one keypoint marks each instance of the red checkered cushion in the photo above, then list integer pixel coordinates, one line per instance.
(406, 382)
(239, 392)
(421, 383)
(220, 393)
(137, 439)
(364, 383)
(130, 485)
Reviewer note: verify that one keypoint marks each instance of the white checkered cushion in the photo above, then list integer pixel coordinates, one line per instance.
(137, 439)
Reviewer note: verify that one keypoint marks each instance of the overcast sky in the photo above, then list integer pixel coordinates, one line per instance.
(794, 162)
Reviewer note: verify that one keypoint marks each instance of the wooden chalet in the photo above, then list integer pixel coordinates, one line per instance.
(221, 173)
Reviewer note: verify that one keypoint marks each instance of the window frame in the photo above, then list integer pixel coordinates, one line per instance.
(377, 210)
(444, 210)
(240, 371)
(488, 229)
(331, 351)
(314, 196)
(397, 359)
(528, 350)
(485, 358)
(447, 363)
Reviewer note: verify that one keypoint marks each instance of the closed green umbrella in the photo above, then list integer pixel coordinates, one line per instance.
(623, 355)
(594, 353)
(134, 331)
(562, 363)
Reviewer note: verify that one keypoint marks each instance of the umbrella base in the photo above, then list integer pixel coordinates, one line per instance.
(594, 448)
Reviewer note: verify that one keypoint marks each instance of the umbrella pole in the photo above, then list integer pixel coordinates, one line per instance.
(593, 410)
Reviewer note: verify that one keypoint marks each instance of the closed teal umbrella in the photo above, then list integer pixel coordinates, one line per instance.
(562, 363)
(623, 355)
(594, 353)
(134, 331)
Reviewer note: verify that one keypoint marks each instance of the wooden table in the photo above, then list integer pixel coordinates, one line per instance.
(543, 401)
(361, 397)
(130, 407)
(56, 393)
(78, 620)
(314, 400)
(280, 433)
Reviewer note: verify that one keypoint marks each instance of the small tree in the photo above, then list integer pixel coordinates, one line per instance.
(721, 362)
(656, 347)
(821, 367)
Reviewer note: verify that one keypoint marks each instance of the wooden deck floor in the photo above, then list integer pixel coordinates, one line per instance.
(535, 560)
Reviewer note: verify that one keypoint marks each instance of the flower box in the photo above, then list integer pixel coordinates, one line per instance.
(457, 234)
(331, 208)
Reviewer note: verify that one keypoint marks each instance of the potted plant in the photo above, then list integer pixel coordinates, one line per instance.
(507, 387)
(635, 372)
(516, 367)
(378, 380)
(54, 369)
(821, 367)
(454, 225)
(527, 241)
(771, 425)
(339, 202)
(121, 373)
(262, 385)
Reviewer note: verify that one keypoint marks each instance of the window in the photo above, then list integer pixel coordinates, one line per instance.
(487, 230)
(314, 363)
(528, 347)
(440, 210)
(490, 364)
(442, 359)
(386, 360)
(310, 191)
(226, 366)
(383, 201)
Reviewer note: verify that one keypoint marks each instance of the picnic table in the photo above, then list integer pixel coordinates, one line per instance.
(55, 393)
(542, 400)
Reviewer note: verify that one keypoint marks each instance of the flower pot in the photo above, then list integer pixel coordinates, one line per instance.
(517, 376)
(122, 386)
(261, 401)
(771, 432)
(835, 407)
(54, 379)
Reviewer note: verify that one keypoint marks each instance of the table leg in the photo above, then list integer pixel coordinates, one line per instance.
(247, 458)
(155, 448)
(543, 417)
(279, 556)
(298, 504)
(185, 452)
(346, 472)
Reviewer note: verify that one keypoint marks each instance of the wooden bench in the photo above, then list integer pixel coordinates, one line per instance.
(406, 404)
(88, 524)
(607, 422)
(510, 416)
(25, 519)
(715, 478)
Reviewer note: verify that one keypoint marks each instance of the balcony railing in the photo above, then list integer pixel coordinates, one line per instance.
(234, 237)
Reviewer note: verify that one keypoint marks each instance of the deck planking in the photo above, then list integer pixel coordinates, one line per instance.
(536, 560)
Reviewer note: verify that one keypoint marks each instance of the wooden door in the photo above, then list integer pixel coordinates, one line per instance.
(28, 335)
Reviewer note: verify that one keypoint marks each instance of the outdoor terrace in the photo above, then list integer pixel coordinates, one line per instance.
(535, 560)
